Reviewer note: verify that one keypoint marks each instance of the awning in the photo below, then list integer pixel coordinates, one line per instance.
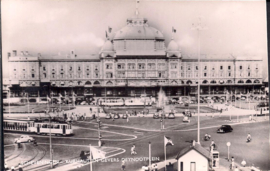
(62, 83)
(33, 83)
(53, 82)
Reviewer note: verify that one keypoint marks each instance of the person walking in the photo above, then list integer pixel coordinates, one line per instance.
(123, 166)
(243, 163)
(127, 118)
(132, 150)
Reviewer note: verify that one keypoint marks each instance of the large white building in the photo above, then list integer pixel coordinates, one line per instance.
(134, 60)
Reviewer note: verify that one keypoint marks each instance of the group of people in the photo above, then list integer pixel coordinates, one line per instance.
(12, 168)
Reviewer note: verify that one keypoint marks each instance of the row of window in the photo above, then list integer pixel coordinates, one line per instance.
(70, 68)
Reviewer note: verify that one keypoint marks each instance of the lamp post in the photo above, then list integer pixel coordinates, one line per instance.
(228, 145)
(51, 150)
(199, 27)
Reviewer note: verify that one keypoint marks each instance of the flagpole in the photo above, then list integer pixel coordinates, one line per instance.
(91, 168)
(165, 154)
(9, 102)
(150, 154)
(28, 102)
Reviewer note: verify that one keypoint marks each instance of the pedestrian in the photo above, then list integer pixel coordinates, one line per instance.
(232, 163)
(19, 143)
(123, 164)
(243, 163)
(213, 145)
(127, 118)
(99, 142)
(155, 168)
(250, 118)
(132, 150)
(20, 167)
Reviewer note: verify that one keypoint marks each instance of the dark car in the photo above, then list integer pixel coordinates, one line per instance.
(156, 116)
(224, 129)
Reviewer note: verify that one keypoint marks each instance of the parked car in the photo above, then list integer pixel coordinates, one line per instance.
(186, 119)
(124, 116)
(224, 129)
(156, 116)
(171, 116)
(42, 102)
(83, 103)
(24, 138)
(108, 116)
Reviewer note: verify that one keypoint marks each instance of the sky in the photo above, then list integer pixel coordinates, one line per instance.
(59, 26)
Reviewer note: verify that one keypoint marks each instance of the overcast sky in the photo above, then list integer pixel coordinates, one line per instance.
(52, 26)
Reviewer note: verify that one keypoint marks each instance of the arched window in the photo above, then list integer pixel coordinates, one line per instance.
(213, 82)
(257, 81)
(240, 82)
(189, 82)
(205, 82)
(249, 81)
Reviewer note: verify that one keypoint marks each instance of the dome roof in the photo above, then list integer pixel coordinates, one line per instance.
(173, 46)
(108, 46)
(138, 29)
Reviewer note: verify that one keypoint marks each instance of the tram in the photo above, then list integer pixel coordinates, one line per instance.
(111, 102)
(135, 102)
(263, 108)
(43, 127)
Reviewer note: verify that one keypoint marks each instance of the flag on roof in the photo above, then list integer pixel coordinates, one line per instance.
(167, 141)
(97, 153)
(109, 29)
(173, 30)
(106, 34)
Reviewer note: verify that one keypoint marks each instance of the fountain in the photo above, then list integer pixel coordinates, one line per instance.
(161, 98)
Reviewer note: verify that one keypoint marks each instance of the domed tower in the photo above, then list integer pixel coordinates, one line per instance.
(137, 38)
(173, 50)
(107, 49)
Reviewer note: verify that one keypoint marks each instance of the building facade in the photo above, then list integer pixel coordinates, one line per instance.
(133, 61)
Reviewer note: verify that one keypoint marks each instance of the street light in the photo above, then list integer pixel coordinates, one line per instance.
(51, 150)
(198, 27)
(228, 145)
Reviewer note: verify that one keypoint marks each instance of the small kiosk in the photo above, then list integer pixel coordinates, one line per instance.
(215, 159)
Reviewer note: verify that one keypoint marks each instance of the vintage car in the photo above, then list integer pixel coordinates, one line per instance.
(116, 116)
(24, 138)
(156, 116)
(108, 116)
(224, 129)
(124, 116)
(186, 119)
(171, 116)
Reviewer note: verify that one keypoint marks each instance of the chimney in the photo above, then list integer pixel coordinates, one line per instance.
(14, 53)
(72, 53)
(193, 143)
(9, 54)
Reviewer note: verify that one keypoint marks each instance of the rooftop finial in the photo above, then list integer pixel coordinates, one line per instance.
(137, 6)
(173, 31)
